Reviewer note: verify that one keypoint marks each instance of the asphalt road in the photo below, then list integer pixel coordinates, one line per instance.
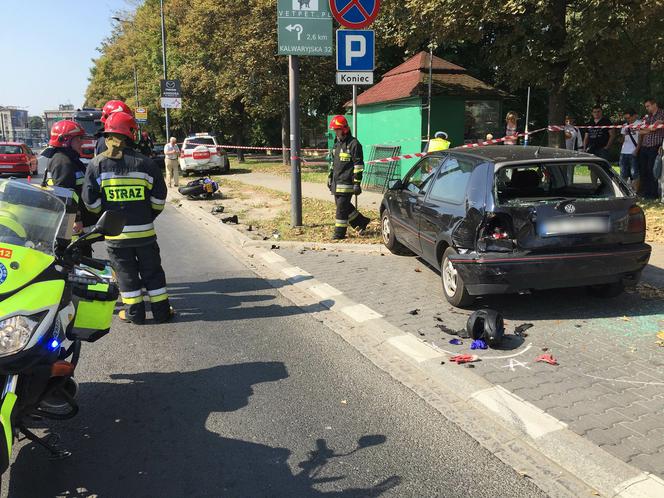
(245, 395)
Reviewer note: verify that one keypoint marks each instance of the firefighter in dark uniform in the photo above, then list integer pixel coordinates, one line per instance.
(109, 108)
(66, 170)
(122, 179)
(345, 179)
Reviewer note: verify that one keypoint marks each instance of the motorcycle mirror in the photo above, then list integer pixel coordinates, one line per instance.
(111, 223)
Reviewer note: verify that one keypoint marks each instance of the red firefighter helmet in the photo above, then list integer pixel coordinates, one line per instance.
(63, 131)
(339, 123)
(121, 123)
(114, 106)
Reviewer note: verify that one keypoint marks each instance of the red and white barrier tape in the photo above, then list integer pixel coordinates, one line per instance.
(245, 147)
(398, 158)
(500, 140)
(603, 127)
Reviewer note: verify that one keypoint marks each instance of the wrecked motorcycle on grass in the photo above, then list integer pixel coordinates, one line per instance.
(52, 299)
(203, 188)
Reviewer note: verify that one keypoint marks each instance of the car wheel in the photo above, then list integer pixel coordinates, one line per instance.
(389, 238)
(606, 290)
(453, 286)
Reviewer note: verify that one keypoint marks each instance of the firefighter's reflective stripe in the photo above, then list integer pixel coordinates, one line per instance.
(341, 223)
(359, 168)
(344, 189)
(135, 232)
(148, 181)
(95, 207)
(158, 204)
(132, 297)
(344, 156)
(353, 215)
(158, 295)
(80, 177)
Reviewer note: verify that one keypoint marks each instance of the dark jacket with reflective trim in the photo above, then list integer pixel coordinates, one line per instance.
(348, 165)
(66, 170)
(133, 185)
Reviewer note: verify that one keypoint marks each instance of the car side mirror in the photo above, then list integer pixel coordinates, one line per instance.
(395, 185)
(111, 223)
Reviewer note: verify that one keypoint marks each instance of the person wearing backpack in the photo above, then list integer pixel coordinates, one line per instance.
(629, 166)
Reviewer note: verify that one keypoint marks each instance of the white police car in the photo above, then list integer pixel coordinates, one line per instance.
(202, 154)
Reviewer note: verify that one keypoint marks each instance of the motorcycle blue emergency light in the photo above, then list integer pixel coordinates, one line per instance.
(54, 344)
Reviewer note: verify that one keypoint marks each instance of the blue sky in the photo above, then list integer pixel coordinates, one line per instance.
(47, 47)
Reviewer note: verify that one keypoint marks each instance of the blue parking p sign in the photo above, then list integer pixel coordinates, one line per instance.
(356, 50)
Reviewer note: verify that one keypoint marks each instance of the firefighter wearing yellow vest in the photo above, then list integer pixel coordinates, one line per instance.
(345, 179)
(439, 142)
(124, 180)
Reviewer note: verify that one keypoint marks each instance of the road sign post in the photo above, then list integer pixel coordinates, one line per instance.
(304, 28)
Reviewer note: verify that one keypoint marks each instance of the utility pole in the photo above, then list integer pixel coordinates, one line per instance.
(163, 56)
(526, 138)
(296, 181)
(431, 47)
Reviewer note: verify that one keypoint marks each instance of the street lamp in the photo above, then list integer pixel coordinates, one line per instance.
(138, 103)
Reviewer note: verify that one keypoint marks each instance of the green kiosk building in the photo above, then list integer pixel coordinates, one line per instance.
(392, 115)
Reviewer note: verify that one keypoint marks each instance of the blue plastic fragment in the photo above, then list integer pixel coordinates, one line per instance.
(478, 344)
(456, 342)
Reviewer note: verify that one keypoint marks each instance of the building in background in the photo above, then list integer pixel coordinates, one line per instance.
(13, 124)
(64, 111)
(392, 114)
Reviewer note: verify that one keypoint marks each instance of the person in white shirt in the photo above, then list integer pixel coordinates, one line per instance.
(629, 168)
(172, 153)
(573, 139)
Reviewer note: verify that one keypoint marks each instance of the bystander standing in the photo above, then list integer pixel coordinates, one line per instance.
(651, 141)
(511, 130)
(598, 140)
(629, 168)
(573, 138)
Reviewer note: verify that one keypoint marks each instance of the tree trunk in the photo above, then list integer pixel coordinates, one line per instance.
(285, 139)
(557, 70)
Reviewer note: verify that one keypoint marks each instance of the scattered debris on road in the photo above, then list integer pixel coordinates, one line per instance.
(520, 330)
(456, 342)
(464, 358)
(478, 344)
(546, 358)
(414, 312)
(217, 209)
(230, 219)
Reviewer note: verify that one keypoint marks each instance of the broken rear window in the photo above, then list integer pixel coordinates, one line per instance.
(543, 182)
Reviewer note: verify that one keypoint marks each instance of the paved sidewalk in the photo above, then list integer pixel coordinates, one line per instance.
(313, 190)
(609, 386)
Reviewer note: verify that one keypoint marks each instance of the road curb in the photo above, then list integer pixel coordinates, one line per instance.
(560, 462)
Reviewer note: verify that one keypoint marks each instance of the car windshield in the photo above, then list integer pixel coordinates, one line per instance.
(543, 182)
(91, 127)
(10, 149)
(195, 142)
(29, 216)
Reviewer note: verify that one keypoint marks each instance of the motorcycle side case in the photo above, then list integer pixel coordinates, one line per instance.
(94, 310)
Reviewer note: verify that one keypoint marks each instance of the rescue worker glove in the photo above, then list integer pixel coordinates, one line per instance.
(357, 189)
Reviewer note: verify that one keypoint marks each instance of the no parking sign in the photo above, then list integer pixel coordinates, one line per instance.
(355, 14)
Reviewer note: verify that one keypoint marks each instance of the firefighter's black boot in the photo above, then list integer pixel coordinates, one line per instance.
(339, 233)
(361, 223)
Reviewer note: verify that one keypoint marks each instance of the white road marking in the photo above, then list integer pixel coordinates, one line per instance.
(272, 257)
(525, 417)
(641, 486)
(295, 274)
(515, 363)
(360, 313)
(413, 347)
(325, 291)
(641, 382)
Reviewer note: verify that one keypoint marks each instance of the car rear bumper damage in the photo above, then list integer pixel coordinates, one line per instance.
(498, 273)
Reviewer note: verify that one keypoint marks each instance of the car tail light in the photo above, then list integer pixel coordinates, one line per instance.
(202, 155)
(637, 220)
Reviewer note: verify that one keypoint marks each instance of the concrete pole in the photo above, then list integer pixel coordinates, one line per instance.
(163, 57)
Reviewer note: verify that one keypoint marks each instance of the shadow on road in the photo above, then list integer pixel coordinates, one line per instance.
(227, 299)
(148, 436)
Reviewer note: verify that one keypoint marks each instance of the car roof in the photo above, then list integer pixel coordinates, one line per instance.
(11, 143)
(518, 153)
